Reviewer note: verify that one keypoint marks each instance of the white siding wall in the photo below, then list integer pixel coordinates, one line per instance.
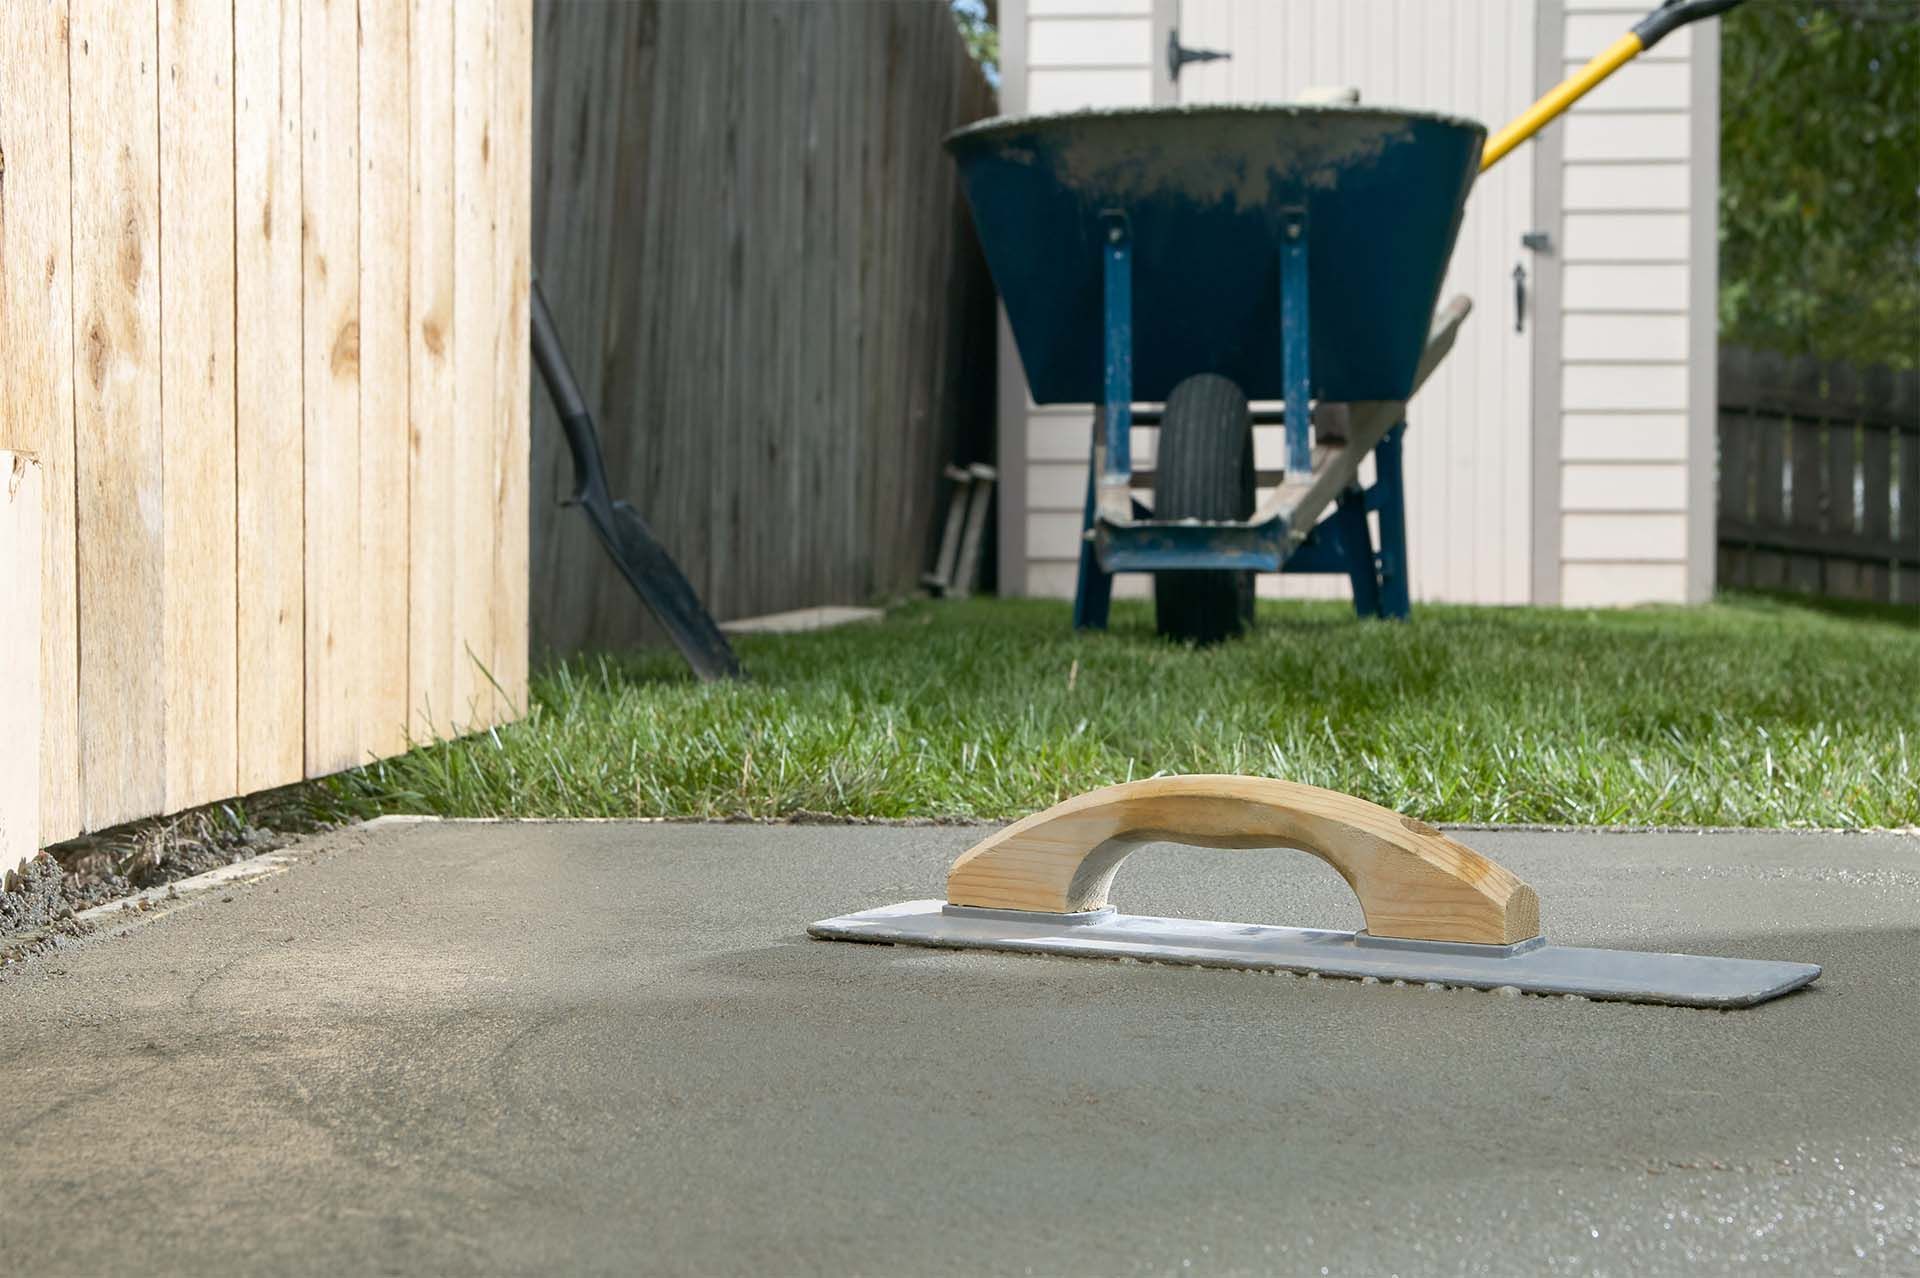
(1068, 54)
(1627, 374)
(1633, 499)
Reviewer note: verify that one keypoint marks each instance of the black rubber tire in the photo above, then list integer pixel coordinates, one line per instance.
(1205, 471)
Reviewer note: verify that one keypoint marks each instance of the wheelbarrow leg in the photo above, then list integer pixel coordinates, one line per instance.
(1388, 497)
(1356, 541)
(1111, 462)
(1296, 372)
(1093, 592)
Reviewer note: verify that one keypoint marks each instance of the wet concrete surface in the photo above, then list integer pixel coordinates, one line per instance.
(611, 1048)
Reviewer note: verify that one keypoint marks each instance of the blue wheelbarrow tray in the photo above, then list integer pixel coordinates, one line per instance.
(1298, 250)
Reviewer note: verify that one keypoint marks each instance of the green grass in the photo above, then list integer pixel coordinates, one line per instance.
(1751, 711)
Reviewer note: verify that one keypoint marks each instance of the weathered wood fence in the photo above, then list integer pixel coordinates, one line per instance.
(1819, 477)
(263, 327)
(758, 260)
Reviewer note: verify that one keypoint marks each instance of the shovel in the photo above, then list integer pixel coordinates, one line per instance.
(1646, 33)
(635, 551)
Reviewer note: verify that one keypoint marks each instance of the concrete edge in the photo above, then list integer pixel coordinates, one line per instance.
(151, 903)
(968, 823)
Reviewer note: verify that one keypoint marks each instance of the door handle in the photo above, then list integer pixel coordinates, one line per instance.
(1519, 297)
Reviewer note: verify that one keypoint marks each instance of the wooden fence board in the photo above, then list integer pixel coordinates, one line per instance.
(330, 177)
(36, 354)
(1876, 486)
(1903, 408)
(384, 390)
(512, 202)
(473, 362)
(209, 325)
(270, 478)
(776, 300)
(197, 389)
(574, 189)
(22, 512)
(118, 448)
(1844, 432)
(430, 222)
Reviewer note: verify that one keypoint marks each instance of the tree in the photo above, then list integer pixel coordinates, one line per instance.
(975, 19)
(1820, 178)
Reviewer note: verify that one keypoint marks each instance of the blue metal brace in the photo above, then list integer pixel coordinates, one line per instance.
(1388, 497)
(1093, 594)
(1343, 543)
(1351, 516)
(1119, 308)
(1093, 591)
(1296, 369)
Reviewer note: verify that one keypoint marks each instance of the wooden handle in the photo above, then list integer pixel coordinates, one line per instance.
(1412, 880)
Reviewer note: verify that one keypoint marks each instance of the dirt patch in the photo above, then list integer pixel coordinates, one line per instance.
(38, 904)
(36, 911)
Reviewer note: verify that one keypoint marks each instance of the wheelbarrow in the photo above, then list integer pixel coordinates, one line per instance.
(1206, 257)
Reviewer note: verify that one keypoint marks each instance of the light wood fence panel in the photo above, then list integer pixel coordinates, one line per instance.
(513, 266)
(119, 450)
(473, 358)
(22, 510)
(384, 391)
(269, 426)
(197, 389)
(330, 231)
(430, 220)
(263, 300)
(36, 363)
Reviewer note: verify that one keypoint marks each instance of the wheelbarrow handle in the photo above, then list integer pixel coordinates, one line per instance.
(1646, 33)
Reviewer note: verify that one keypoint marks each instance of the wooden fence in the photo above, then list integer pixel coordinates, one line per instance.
(262, 296)
(757, 258)
(1819, 477)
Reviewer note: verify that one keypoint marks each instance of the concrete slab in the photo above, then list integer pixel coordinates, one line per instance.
(611, 1048)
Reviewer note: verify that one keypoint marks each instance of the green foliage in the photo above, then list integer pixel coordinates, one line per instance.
(982, 37)
(1820, 178)
(1752, 712)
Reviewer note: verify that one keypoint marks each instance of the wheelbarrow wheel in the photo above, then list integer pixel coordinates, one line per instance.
(1204, 471)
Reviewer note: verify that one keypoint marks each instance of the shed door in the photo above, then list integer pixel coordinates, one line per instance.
(1469, 439)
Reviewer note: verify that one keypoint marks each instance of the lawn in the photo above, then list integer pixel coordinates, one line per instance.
(1750, 712)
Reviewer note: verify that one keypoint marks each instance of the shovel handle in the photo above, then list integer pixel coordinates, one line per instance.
(1412, 881)
(1646, 33)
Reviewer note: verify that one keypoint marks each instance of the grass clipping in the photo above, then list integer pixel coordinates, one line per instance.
(1749, 712)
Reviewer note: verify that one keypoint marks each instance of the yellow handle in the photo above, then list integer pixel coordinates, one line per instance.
(1569, 91)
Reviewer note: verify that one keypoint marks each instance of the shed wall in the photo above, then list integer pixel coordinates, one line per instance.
(1638, 246)
(1619, 507)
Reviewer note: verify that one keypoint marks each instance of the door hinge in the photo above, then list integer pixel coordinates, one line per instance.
(1178, 55)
